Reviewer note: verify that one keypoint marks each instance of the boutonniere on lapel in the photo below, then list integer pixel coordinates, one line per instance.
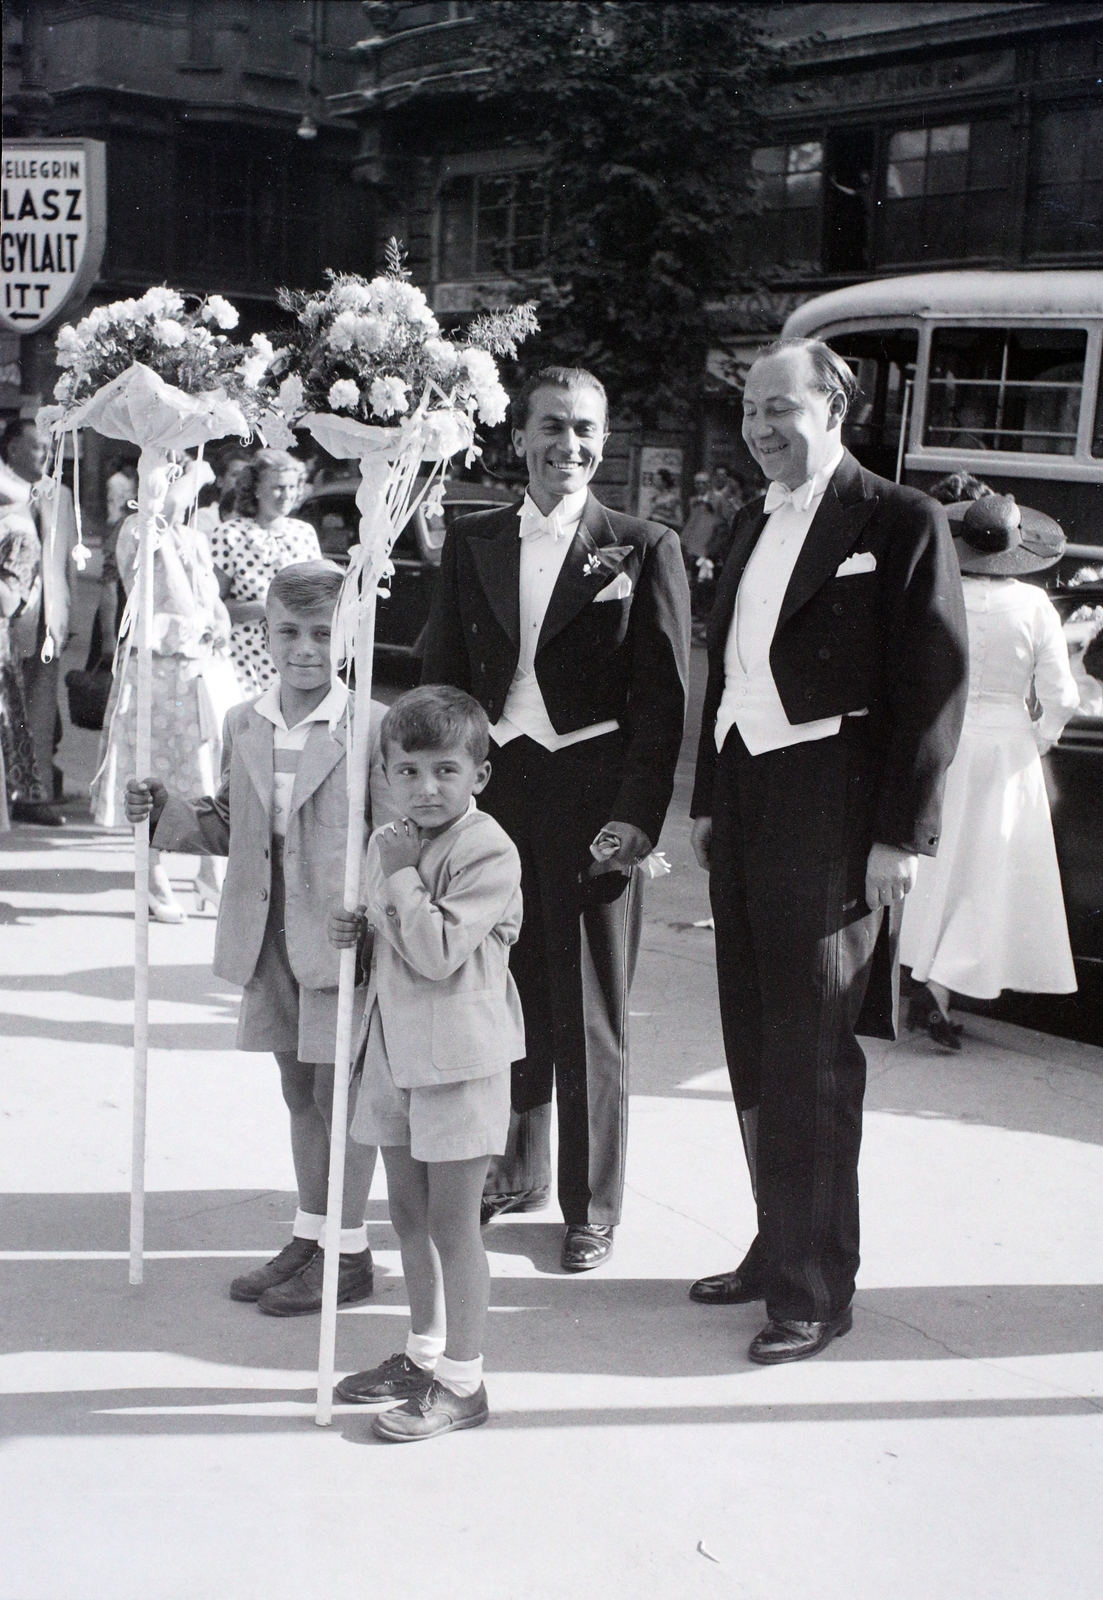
(606, 559)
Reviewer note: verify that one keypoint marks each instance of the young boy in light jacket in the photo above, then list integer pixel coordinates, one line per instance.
(443, 1023)
(281, 817)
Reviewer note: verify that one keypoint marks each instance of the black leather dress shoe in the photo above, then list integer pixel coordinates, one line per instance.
(585, 1246)
(288, 1264)
(736, 1288)
(795, 1341)
(498, 1205)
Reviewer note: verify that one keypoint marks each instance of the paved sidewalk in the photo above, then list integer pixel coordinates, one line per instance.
(160, 1441)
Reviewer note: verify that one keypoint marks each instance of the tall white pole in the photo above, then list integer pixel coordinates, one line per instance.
(152, 486)
(359, 756)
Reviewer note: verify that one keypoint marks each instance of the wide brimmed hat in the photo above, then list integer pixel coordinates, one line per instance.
(996, 537)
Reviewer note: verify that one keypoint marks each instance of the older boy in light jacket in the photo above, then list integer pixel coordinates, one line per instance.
(281, 817)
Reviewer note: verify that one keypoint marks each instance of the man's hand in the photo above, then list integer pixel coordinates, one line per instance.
(890, 875)
(145, 799)
(701, 840)
(399, 846)
(347, 928)
(633, 845)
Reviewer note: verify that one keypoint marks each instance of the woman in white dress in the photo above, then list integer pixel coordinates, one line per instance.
(249, 547)
(987, 912)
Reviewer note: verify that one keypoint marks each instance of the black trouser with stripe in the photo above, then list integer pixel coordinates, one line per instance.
(573, 965)
(794, 946)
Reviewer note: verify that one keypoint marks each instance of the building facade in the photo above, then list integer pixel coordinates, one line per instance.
(253, 143)
(895, 139)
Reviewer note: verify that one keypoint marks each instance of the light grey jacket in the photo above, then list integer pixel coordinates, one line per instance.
(440, 966)
(237, 822)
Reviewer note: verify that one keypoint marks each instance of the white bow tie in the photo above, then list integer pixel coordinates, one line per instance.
(534, 525)
(799, 498)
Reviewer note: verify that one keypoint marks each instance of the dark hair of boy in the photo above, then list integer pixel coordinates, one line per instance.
(435, 717)
(306, 584)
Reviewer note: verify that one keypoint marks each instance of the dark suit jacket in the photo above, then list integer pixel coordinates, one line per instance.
(624, 659)
(892, 641)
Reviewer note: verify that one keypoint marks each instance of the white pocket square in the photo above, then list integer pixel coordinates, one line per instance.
(619, 589)
(861, 561)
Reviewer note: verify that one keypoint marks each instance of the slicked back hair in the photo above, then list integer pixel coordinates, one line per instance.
(306, 584)
(830, 373)
(435, 717)
(553, 378)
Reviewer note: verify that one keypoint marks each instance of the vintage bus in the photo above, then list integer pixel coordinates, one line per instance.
(999, 374)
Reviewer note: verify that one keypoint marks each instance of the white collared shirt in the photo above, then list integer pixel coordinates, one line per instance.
(542, 558)
(750, 700)
(288, 744)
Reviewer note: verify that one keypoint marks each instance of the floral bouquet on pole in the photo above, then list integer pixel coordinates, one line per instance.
(166, 379)
(369, 373)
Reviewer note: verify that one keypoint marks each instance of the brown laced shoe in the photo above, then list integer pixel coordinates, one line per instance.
(397, 1378)
(302, 1294)
(436, 1410)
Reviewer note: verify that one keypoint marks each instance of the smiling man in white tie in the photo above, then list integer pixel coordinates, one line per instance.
(836, 691)
(569, 623)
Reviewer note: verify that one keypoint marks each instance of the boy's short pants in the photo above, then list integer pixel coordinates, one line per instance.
(278, 1013)
(443, 1122)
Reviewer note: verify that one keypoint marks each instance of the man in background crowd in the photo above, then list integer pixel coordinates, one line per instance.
(47, 614)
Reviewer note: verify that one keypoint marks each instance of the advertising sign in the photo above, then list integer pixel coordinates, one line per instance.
(54, 222)
(660, 485)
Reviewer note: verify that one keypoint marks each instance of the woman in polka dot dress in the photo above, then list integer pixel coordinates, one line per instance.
(250, 547)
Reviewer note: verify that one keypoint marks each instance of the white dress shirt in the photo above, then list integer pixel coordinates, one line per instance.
(288, 745)
(750, 700)
(545, 542)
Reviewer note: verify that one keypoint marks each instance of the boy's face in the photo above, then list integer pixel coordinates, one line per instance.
(433, 787)
(298, 642)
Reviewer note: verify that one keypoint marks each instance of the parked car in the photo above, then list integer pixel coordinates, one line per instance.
(400, 622)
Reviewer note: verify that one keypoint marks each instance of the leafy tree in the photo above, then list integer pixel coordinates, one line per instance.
(645, 111)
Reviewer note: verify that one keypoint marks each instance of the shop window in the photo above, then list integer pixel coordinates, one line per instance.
(1065, 208)
(492, 225)
(788, 183)
(945, 192)
(1005, 389)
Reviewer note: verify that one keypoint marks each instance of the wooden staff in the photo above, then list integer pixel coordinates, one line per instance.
(152, 488)
(359, 757)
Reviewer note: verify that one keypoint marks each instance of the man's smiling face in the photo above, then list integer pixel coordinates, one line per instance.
(790, 428)
(561, 443)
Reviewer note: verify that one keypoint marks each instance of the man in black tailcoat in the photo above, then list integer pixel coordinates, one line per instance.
(836, 691)
(569, 623)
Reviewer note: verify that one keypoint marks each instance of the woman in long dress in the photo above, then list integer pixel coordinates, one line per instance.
(193, 685)
(987, 913)
(250, 547)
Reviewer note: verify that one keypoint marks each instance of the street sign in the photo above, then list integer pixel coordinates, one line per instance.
(54, 223)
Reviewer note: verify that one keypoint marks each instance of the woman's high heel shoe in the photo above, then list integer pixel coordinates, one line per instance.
(943, 1031)
(166, 910)
(206, 896)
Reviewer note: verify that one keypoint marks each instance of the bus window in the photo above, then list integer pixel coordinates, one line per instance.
(1005, 389)
(1097, 430)
(883, 362)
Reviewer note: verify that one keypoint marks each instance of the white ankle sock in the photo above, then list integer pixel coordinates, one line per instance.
(462, 1377)
(424, 1349)
(354, 1240)
(308, 1225)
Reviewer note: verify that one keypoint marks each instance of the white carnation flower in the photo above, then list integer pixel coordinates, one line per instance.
(344, 395)
(291, 396)
(350, 297)
(254, 367)
(158, 301)
(218, 309)
(370, 334)
(70, 347)
(340, 335)
(388, 396)
(169, 332)
(493, 403)
(444, 354)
